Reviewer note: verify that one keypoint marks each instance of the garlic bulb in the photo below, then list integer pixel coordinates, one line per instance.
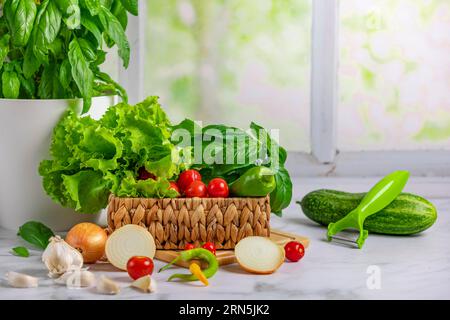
(77, 279)
(107, 286)
(59, 257)
(20, 280)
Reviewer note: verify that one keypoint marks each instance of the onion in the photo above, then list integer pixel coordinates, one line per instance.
(259, 255)
(129, 241)
(89, 239)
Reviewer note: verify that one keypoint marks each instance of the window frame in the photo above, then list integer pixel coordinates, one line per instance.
(325, 158)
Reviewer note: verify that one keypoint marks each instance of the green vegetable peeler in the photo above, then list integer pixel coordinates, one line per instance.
(380, 196)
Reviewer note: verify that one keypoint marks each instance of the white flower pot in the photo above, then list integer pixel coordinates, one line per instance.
(25, 132)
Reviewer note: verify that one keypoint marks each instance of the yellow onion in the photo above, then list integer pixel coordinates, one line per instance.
(89, 239)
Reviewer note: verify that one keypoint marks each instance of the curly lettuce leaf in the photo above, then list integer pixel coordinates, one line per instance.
(88, 190)
(90, 159)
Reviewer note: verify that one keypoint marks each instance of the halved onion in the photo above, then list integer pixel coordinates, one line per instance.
(259, 255)
(129, 241)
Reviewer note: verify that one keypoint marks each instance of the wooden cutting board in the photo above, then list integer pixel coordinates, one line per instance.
(227, 256)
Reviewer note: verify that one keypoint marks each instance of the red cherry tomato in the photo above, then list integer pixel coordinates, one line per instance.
(144, 174)
(187, 177)
(174, 186)
(218, 188)
(196, 189)
(294, 251)
(210, 247)
(139, 266)
(189, 246)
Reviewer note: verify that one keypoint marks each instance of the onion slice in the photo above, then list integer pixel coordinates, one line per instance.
(259, 255)
(129, 241)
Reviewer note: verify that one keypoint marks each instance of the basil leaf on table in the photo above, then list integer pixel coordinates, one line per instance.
(81, 73)
(36, 233)
(20, 15)
(20, 252)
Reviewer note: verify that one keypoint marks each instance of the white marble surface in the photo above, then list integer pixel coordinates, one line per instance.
(410, 267)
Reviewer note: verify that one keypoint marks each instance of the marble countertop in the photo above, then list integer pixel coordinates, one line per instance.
(388, 267)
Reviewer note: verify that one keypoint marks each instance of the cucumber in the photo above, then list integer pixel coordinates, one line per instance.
(407, 214)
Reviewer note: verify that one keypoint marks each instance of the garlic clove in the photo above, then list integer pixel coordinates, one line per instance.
(59, 257)
(77, 279)
(20, 280)
(107, 286)
(145, 283)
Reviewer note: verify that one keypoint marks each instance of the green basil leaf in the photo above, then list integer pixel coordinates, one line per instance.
(90, 23)
(3, 26)
(116, 32)
(119, 11)
(101, 57)
(65, 75)
(49, 86)
(81, 73)
(88, 49)
(107, 3)
(132, 6)
(92, 5)
(10, 85)
(112, 84)
(20, 15)
(70, 11)
(4, 48)
(46, 29)
(28, 86)
(21, 252)
(281, 197)
(57, 48)
(36, 233)
(1, 90)
(30, 62)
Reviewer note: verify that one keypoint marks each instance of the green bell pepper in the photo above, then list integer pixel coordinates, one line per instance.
(255, 182)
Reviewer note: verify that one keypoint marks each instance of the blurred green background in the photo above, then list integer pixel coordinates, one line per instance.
(231, 61)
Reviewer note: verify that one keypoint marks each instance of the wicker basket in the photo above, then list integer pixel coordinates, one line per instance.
(175, 222)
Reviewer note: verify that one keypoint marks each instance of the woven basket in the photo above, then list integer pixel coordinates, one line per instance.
(175, 222)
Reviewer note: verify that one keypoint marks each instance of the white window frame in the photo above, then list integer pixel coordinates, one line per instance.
(324, 159)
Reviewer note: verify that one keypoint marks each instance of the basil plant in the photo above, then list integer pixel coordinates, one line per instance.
(53, 49)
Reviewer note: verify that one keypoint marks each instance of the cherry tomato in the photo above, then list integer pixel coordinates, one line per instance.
(187, 177)
(196, 189)
(218, 188)
(139, 266)
(189, 246)
(210, 247)
(144, 174)
(174, 186)
(294, 251)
